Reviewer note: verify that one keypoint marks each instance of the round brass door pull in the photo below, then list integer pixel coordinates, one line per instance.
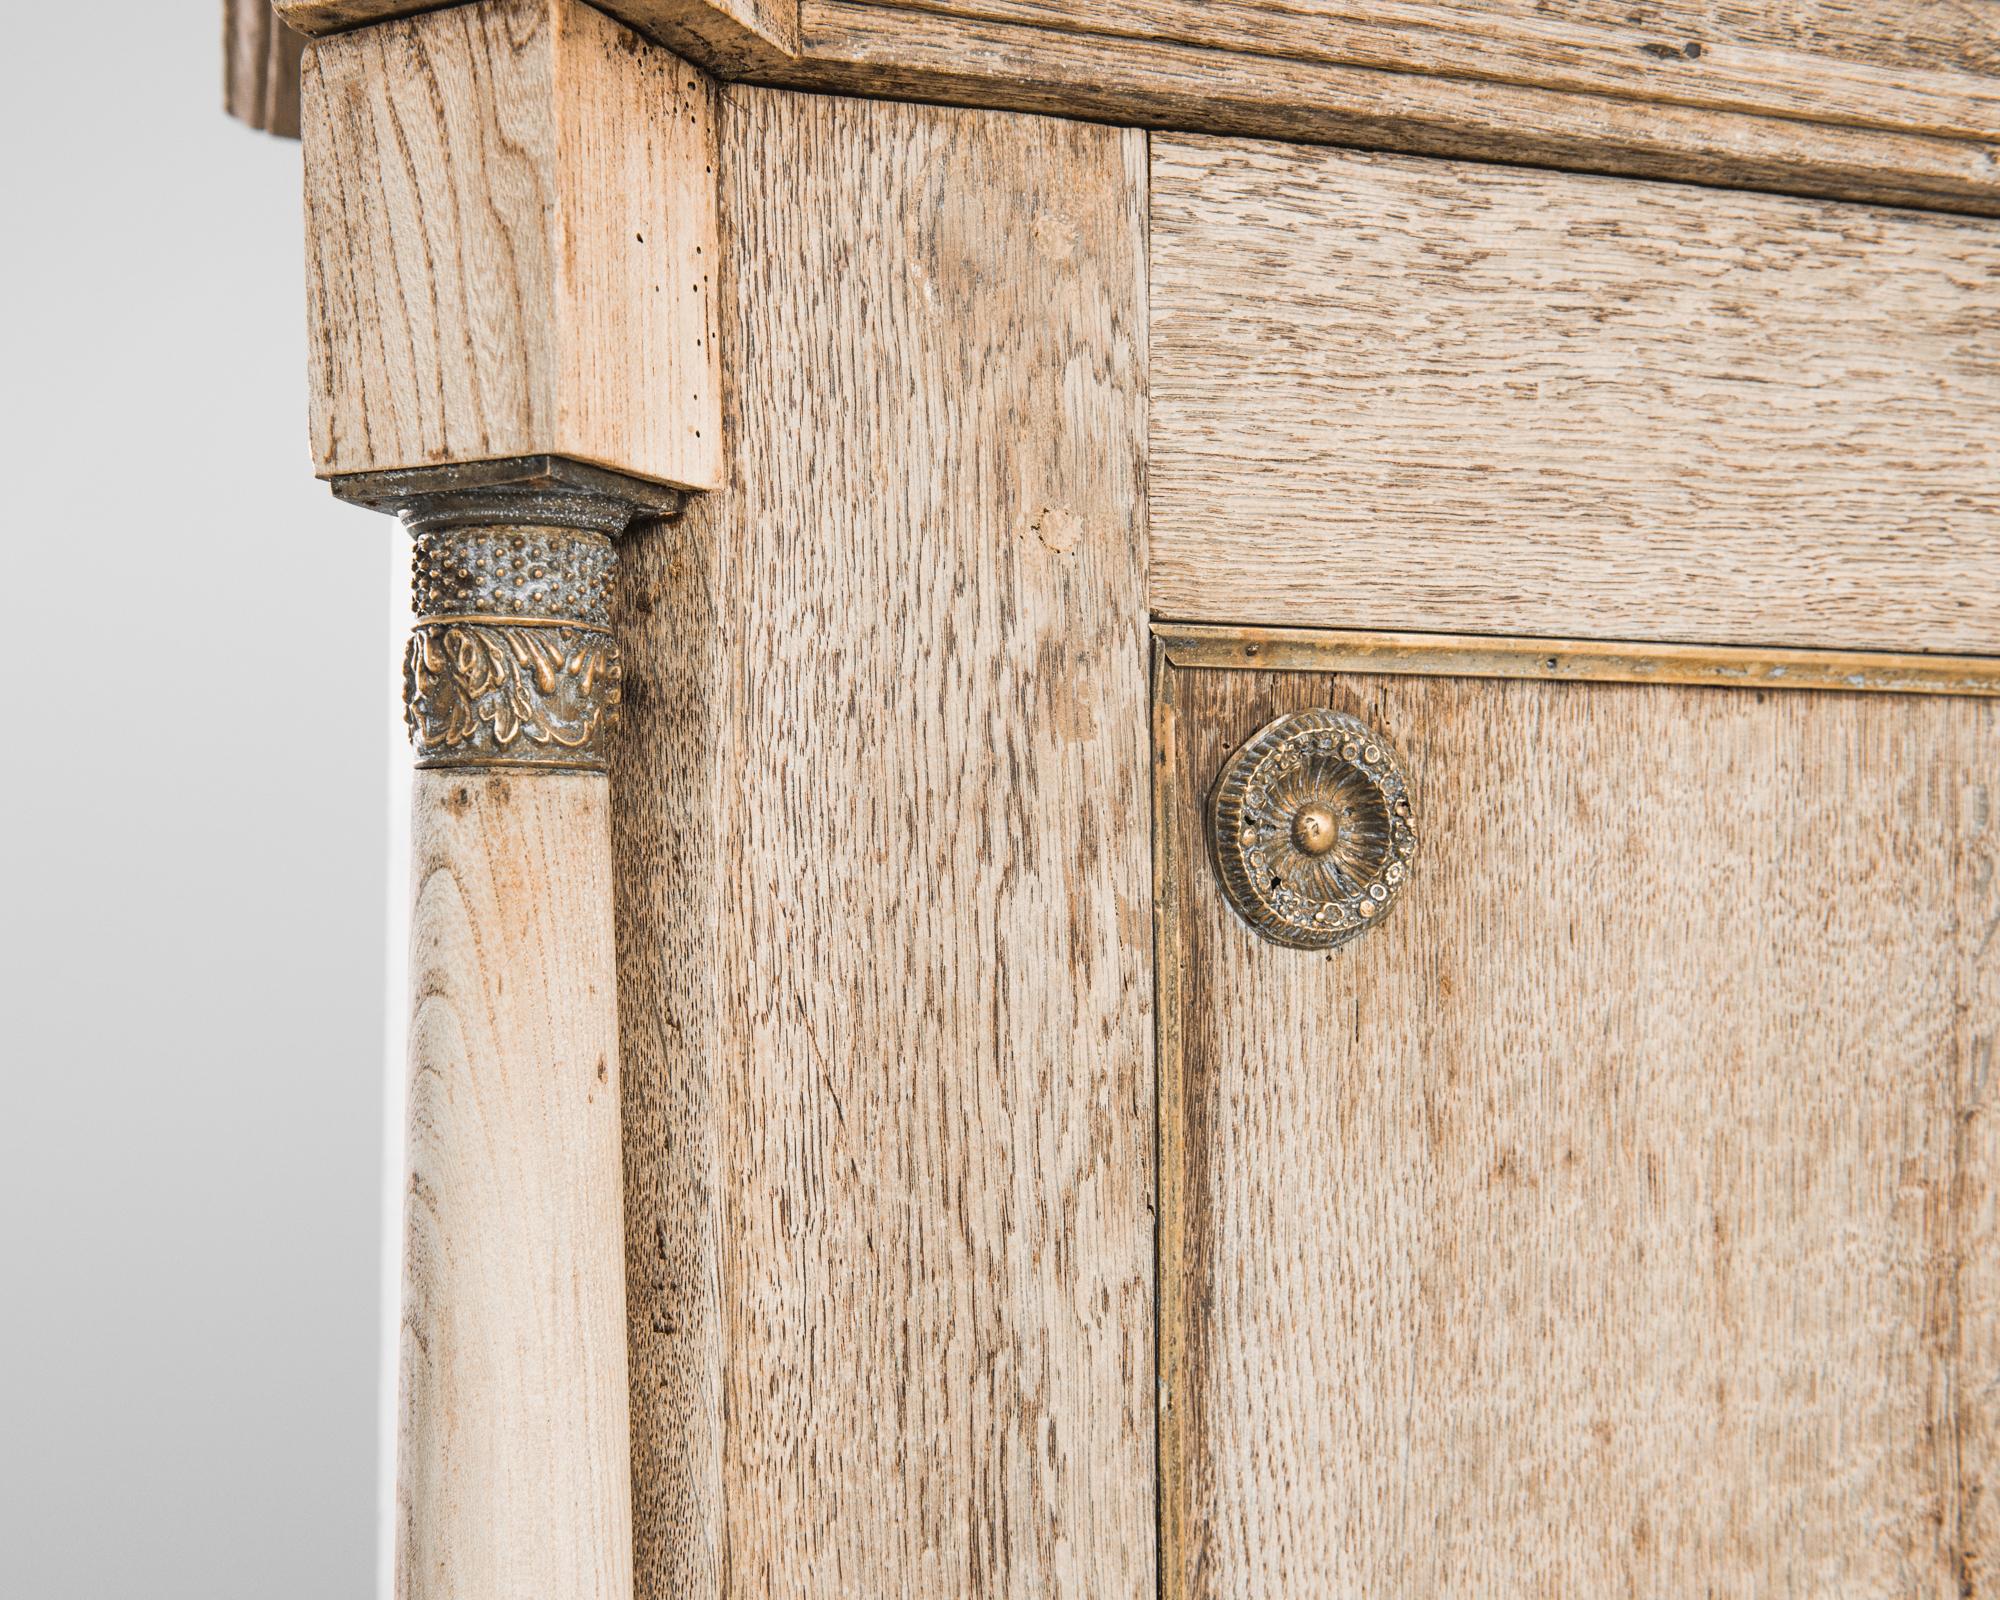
(1313, 829)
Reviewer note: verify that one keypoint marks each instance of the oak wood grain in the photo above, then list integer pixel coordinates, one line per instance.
(1168, 85)
(510, 244)
(1889, 103)
(260, 67)
(730, 37)
(1910, 65)
(1617, 1217)
(918, 747)
(514, 1468)
(1399, 394)
(672, 785)
(725, 36)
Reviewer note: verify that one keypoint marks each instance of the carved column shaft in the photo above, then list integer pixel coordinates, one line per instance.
(513, 255)
(513, 1455)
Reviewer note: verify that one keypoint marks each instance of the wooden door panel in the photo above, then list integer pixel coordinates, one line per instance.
(1618, 1216)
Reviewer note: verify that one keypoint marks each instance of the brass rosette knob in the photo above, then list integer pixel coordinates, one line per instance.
(1313, 829)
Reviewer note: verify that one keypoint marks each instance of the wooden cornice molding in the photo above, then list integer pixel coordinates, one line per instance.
(1172, 84)
(1901, 65)
(731, 38)
(1898, 106)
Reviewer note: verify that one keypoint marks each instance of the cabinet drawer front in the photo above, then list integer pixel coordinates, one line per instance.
(1617, 1215)
(1389, 392)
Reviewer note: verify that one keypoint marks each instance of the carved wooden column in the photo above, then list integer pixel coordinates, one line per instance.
(511, 236)
(514, 1454)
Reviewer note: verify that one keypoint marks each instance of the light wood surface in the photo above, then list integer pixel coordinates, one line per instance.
(1892, 103)
(511, 245)
(1902, 64)
(1400, 394)
(1617, 1218)
(1444, 655)
(864, 49)
(672, 776)
(895, 673)
(725, 36)
(732, 37)
(514, 1468)
(260, 67)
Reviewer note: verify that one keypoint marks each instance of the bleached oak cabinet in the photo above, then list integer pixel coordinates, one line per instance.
(1207, 792)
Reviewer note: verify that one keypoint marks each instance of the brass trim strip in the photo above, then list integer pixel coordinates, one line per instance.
(594, 767)
(448, 618)
(1447, 655)
(1170, 1311)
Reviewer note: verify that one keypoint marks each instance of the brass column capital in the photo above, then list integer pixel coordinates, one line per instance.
(512, 660)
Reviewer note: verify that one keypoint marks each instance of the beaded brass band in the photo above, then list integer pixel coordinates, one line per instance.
(563, 574)
(512, 661)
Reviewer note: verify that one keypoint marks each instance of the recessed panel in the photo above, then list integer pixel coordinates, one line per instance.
(1617, 1217)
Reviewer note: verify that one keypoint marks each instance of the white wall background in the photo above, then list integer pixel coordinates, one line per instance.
(193, 762)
